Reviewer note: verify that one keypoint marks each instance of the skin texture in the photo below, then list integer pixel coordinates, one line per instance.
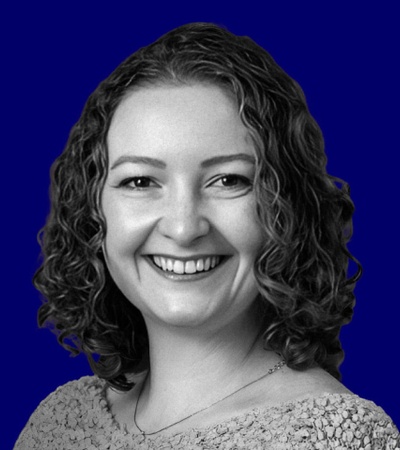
(203, 332)
(185, 210)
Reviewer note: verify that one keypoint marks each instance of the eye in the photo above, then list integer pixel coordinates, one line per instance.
(232, 181)
(138, 183)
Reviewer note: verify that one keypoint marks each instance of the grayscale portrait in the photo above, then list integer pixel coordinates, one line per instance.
(196, 253)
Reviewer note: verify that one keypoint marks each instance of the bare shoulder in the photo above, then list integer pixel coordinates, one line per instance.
(291, 385)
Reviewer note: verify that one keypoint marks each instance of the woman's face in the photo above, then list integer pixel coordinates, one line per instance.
(182, 233)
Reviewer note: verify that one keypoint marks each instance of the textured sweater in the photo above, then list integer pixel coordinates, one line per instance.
(77, 416)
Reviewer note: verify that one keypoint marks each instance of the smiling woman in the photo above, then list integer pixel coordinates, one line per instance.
(196, 253)
(170, 214)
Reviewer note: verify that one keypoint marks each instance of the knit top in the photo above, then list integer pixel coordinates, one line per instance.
(77, 416)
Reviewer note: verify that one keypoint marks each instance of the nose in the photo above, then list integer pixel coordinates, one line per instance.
(183, 219)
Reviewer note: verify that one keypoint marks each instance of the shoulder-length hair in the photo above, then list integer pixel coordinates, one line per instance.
(301, 270)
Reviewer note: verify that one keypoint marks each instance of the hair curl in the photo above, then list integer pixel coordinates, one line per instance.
(302, 268)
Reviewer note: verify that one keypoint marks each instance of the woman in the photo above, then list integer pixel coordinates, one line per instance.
(196, 253)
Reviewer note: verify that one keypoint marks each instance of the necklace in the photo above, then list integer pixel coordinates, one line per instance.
(277, 366)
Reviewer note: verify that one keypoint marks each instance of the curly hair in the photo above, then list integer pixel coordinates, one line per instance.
(302, 269)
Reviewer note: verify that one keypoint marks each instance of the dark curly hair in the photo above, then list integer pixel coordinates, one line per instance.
(302, 269)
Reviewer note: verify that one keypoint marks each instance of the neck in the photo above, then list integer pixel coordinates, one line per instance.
(190, 369)
(180, 354)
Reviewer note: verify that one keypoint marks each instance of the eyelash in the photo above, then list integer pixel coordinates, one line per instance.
(125, 183)
(240, 178)
(244, 181)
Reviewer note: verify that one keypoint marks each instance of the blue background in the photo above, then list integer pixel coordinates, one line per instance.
(344, 57)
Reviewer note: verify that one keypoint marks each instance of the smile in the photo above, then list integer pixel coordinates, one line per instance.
(192, 266)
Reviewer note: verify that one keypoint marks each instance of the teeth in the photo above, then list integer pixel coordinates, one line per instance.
(200, 265)
(157, 260)
(189, 267)
(179, 266)
(170, 265)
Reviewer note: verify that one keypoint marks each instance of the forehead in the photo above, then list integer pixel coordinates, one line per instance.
(169, 117)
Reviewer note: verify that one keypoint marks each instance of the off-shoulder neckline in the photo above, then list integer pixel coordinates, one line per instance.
(101, 386)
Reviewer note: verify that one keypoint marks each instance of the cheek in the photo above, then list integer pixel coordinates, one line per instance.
(242, 229)
(127, 228)
(126, 231)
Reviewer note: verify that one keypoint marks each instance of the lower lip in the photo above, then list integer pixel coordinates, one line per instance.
(186, 277)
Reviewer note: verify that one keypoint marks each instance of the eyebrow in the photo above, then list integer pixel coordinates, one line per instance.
(139, 160)
(162, 165)
(228, 158)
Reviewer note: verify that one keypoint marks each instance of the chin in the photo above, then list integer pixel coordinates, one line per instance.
(182, 316)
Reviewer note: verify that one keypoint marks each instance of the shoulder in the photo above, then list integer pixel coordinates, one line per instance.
(81, 394)
(327, 421)
(309, 383)
(312, 409)
(293, 385)
(68, 410)
(332, 420)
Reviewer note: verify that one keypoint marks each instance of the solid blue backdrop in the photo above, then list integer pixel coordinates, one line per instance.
(344, 57)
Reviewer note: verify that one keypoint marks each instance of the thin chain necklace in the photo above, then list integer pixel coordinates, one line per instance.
(277, 366)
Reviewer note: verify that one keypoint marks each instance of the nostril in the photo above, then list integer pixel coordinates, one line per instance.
(184, 230)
